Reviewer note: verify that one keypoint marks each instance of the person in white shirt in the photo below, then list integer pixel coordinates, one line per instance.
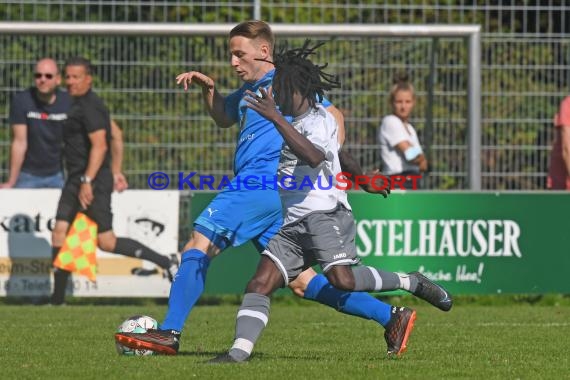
(400, 148)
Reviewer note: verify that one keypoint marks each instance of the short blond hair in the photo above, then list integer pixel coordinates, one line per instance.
(255, 29)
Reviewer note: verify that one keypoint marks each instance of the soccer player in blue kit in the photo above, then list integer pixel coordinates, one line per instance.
(318, 226)
(249, 208)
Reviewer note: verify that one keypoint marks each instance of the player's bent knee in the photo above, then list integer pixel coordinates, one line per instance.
(202, 243)
(299, 284)
(342, 284)
(340, 279)
(299, 291)
(260, 287)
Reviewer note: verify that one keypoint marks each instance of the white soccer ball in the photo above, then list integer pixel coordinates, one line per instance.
(136, 324)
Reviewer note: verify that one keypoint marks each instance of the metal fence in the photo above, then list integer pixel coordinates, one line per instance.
(525, 74)
(498, 17)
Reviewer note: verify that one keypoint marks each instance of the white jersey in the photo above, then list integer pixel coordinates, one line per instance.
(392, 131)
(303, 189)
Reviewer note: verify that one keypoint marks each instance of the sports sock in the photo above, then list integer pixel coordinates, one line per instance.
(251, 319)
(354, 303)
(370, 279)
(132, 248)
(60, 278)
(407, 282)
(186, 288)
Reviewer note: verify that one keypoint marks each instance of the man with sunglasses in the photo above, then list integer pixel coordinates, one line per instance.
(37, 115)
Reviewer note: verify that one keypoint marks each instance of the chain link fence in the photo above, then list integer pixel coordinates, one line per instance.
(525, 74)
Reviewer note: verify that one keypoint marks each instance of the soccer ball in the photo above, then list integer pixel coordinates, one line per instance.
(136, 324)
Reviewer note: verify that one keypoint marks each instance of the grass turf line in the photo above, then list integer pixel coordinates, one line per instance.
(301, 341)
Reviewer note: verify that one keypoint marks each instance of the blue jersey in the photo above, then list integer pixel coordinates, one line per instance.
(259, 142)
(250, 208)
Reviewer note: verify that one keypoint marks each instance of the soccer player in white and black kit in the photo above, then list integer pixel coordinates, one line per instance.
(318, 226)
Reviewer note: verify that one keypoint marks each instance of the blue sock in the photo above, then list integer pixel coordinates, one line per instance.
(354, 303)
(186, 289)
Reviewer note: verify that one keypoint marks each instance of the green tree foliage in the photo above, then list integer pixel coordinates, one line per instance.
(168, 129)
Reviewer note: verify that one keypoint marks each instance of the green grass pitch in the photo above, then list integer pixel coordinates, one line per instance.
(302, 341)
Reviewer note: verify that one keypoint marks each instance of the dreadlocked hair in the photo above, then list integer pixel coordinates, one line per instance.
(294, 72)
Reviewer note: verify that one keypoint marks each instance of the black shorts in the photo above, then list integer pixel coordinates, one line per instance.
(100, 208)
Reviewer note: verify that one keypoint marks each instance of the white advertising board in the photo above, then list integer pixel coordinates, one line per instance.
(28, 216)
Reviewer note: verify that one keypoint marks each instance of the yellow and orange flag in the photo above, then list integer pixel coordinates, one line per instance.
(78, 253)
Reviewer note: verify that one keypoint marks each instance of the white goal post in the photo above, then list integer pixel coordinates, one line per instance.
(472, 34)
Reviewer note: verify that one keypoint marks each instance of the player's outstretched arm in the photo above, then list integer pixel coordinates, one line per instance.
(351, 166)
(213, 100)
(299, 144)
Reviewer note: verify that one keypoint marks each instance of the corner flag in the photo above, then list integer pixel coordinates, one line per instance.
(78, 253)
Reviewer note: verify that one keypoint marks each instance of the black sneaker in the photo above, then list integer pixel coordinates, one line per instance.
(161, 341)
(173, 267)
(432, 292)
(224, 358)
(398, 330)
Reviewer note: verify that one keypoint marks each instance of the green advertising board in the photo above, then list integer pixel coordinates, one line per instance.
(472, 243)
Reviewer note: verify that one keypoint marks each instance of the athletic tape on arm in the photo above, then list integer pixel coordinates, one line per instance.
(412, 152)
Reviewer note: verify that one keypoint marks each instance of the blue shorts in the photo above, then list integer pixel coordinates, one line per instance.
(236, 216)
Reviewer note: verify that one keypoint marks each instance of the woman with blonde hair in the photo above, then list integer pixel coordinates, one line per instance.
(400, 148)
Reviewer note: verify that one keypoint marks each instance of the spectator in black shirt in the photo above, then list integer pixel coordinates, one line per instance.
(88, 188)
(37, 115)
